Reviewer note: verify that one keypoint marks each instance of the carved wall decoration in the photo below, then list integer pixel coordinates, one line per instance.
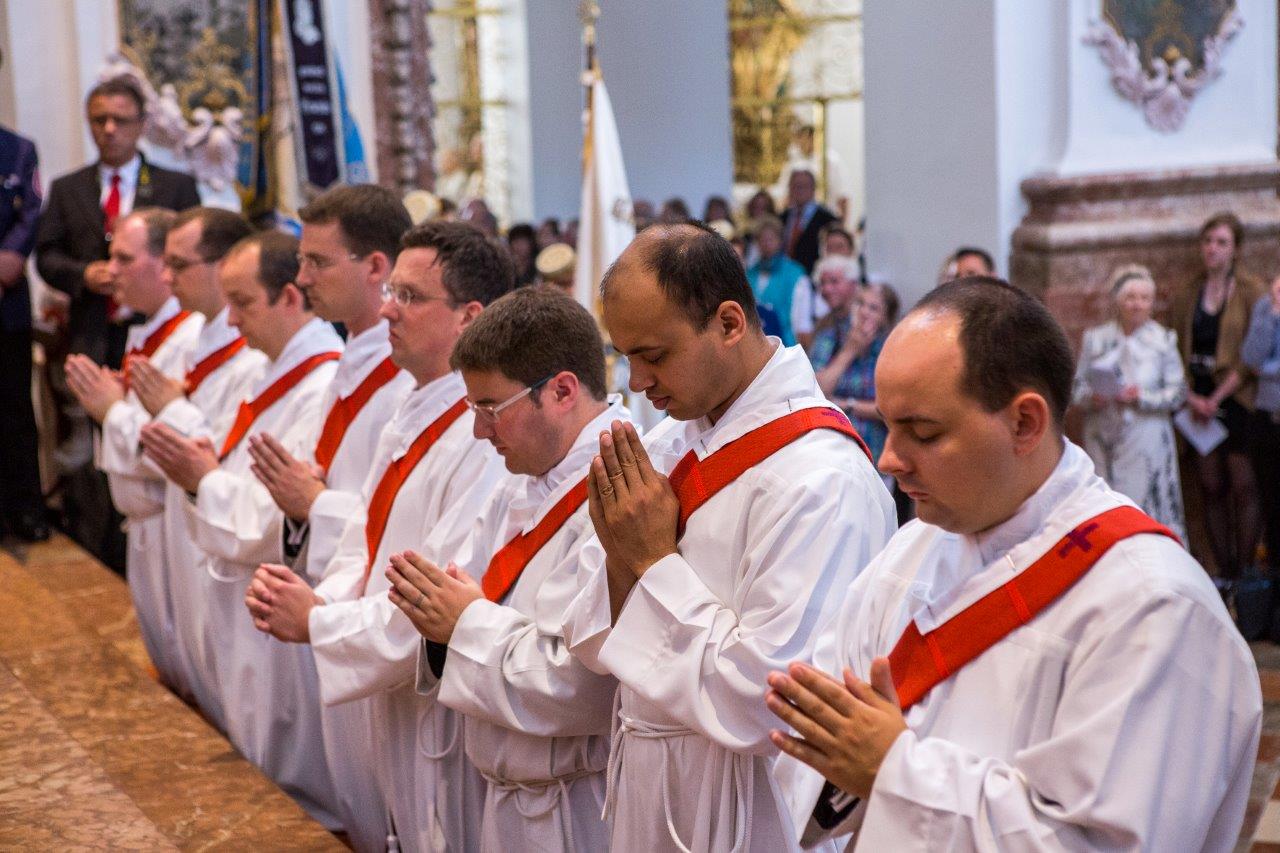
(789, 59)
(194, 63)
(403, 106)
(1161, 54)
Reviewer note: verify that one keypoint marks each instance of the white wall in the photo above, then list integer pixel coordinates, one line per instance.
(666, 66)
(965, 101)
(1232, 120)
(53, 52)
(931, 136)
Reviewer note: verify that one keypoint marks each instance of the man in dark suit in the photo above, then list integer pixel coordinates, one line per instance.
(803, 220)
(71, 253)
(21, 499)
(71, 249)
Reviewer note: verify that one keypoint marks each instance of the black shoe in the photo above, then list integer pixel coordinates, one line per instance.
(30, 527)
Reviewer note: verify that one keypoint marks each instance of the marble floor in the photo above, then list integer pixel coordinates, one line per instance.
(1262, 821)
(94, 753)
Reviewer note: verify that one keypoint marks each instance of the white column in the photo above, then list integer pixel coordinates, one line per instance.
(53, 52)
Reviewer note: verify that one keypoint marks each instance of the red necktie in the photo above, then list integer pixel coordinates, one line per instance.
(794, 237)
(111, 207)
(111, 212)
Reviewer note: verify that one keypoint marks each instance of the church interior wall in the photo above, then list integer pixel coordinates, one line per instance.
(931, 140)
(670, 90)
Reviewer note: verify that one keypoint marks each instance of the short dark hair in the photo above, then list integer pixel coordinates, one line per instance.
(531, 334)
(521, 231)
(982, 254)
(475, 267)
(118, 86)
(219, 230)
(277, 261)
(696, 268)
(1009, 340)
(1228, 219)
(158, 222)
(371, 218)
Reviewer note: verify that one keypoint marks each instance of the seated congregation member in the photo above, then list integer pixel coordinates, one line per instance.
(1127, 431)
(217, 373)
(427, 467)
(268, 689)
(350, 239)
(1034, 664)
(138, 279)
(848, 342)
(781, 285)
(536, 720)
(966, 261)
(690, 606)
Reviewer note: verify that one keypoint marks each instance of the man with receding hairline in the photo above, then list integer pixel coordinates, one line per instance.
(140, 283)
(216, 374)
(427, 468)
(1034, 664)
(720, 539)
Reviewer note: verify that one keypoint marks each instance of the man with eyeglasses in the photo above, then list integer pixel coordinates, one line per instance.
(267, 689)
(536, 720)
(200, 400)
(137, 488)
(377, 731)
(72, 239)
(350, 239)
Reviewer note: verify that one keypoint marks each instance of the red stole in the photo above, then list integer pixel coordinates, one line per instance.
(696, 482)
(509, 563)
(250, 409)
(344, 411)
(153, 342)
(919, 662)
(210, 363)
(384, 496)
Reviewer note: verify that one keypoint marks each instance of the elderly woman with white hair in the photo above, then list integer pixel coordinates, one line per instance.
(1129, 380)
(847, 343)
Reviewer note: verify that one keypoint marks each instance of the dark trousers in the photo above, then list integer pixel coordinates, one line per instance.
(19, 461)
(1265, 450)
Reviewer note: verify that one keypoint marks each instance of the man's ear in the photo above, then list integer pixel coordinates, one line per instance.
(379, 267)
(1030, 420)
(564, 389)
(732, 320)
(470, 311)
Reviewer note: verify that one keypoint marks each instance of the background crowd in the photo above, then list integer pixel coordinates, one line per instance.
(1214, 367)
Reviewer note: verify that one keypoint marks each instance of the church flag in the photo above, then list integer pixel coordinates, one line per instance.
(604, 224)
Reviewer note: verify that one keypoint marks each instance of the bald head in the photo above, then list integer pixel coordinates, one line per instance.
(695, 268)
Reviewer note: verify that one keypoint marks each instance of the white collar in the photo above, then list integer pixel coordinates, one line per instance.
(215, 334)
(361, 355)
(975, 564)
(167, 311)
(128, 172)
(423, 405)
(1074, 468)
(316, 336)
(785, 384)
(542, 492)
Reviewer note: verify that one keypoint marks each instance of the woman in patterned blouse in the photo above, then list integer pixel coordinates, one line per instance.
(847, 343)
